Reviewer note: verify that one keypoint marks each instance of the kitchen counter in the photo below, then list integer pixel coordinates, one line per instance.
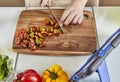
(107, 21)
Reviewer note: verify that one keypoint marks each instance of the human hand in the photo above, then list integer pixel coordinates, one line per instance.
(73, 13)
(44, 2)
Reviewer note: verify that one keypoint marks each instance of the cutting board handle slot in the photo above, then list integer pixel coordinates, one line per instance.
(85, 16)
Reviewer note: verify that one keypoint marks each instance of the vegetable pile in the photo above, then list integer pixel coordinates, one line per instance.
(54, 74)
(5, 66)
(34, 36)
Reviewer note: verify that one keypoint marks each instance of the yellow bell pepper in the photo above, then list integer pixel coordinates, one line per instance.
(55, 74)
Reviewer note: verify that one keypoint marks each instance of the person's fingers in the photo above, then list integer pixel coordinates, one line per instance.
(65, 15)
(44, 3)
(75, 19)
(49, 2)
(69, 18)
(80, 19)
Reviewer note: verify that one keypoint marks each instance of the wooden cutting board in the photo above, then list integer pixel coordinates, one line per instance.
(79, 39)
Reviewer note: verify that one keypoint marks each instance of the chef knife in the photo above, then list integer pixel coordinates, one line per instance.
(62, 30)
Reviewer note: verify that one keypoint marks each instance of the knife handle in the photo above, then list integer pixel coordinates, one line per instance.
(116, 41)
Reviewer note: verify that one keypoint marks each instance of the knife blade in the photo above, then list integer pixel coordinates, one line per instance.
(53, 15)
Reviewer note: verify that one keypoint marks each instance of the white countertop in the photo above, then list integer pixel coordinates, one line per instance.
(107, 21)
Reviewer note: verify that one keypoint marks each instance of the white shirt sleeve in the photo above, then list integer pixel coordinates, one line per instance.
(57, 3)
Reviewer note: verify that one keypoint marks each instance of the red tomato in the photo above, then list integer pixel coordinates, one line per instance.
(21, 32)
(17, 40)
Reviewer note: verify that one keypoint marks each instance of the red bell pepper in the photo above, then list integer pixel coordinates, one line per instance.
(28, 76)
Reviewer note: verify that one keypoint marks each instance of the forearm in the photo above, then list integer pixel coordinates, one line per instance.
(82, 3)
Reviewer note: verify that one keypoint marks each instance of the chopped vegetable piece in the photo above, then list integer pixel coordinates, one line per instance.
(52, 22)
(17, 40)
(50, 34)
(40, 35)
(56, 32)
(56, 26)
(50, 29)
(47, 21)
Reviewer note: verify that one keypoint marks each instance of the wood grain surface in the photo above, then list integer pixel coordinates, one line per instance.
(79, 39)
